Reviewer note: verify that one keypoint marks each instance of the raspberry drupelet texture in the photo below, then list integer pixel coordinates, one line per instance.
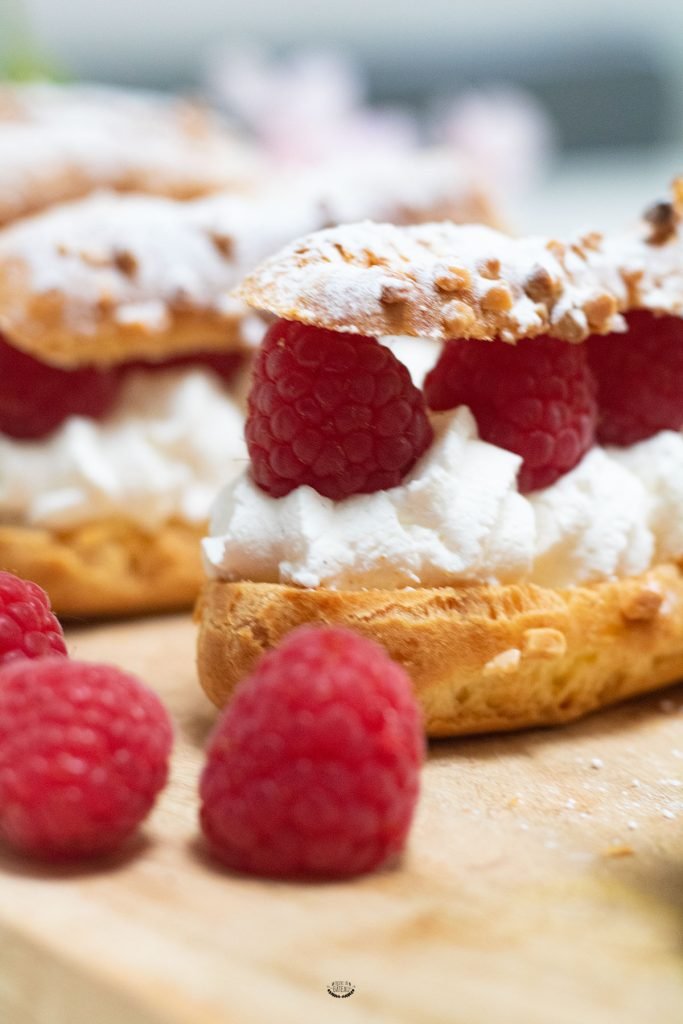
(335, 411)
(83, 754)
(640, 378)
(28, 627)
(36, 398)
(536, 398)
(313, 769)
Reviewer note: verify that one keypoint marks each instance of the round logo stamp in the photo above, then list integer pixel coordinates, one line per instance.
(341, 989)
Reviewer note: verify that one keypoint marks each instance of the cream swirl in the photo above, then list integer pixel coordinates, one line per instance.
(174, 438)
(457, 518)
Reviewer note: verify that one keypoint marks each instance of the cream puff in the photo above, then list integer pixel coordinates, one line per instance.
(119, 387)
(511, 533)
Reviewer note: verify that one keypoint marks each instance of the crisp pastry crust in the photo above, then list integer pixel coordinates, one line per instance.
(109, 567)
(482, 658)
(38, 323)
(59, 142)
(112, 278)
(437, 281)
(441, 281)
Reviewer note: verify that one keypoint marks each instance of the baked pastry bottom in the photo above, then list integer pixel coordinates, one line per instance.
(109, 567)
(482, 658)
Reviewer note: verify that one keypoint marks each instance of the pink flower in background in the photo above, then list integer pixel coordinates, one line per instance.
(307, 107)
(504, 130)
(311, 107)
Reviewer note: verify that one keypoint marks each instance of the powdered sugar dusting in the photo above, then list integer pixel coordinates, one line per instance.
(440, 281)
(640, 274)
(58, 142)
(467, 281)
(143, 256)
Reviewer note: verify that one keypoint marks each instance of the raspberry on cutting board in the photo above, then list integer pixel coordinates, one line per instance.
(640, 378)
(536, 398)
(28, 627)
(84, 752)
(36, 398)
(337, 412)
(313, 768)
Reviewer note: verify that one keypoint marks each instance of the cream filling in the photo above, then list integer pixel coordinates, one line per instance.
(459, 518)
(173, 440)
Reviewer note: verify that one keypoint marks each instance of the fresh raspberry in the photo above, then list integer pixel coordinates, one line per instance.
(35, 398)
(28, 629)
(83, 753)
(313, 769)
(640, 378)
(224, 364)
(335, 411)
(536, 398)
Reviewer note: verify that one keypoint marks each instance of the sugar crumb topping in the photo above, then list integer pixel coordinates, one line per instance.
(132, 253)
(440, 280)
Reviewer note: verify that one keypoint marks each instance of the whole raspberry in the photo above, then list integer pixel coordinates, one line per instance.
(640, 379)
(536, 398)
(36, 398)
(335, 411)
(83, 753)
(28, 628)
(313, 769)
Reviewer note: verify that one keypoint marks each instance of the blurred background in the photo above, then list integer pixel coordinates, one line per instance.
(575, 110)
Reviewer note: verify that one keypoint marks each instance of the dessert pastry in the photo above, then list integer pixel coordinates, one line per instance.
(58, 142)
(117, 335)
(107, 475)
(111, 445)
(520, 550)
(110, 275)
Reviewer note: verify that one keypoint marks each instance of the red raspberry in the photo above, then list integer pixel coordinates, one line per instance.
(640, 379)
(28, 629)
(335, 411)
(313, 769)
(83, 753)
(36, 398)
(536, 398)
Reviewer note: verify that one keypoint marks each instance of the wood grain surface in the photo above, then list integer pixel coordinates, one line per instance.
(543, 884)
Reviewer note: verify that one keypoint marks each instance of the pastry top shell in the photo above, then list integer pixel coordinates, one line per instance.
(442, 281)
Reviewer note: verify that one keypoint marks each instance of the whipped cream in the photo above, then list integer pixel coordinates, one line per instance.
(174, 438)
(591, 524)
(658, 464)
(458, 517)
(419, 355)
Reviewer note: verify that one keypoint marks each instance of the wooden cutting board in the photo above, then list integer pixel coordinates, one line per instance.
(543, 884)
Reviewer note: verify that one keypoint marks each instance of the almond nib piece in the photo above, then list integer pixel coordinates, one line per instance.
(663, 220)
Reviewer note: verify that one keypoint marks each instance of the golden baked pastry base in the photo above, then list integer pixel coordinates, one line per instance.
(482, 658)
(41, 324)
(109, 567)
